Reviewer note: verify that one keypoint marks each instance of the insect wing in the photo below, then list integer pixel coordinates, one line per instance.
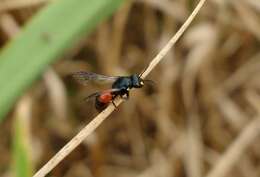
(84, 77)
(92, 96)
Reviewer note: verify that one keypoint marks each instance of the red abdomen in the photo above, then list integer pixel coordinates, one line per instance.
(105, 97)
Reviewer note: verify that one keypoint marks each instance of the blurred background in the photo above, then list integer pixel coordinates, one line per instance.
(202, 118)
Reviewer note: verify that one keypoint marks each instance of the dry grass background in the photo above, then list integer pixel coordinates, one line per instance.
(201, 119)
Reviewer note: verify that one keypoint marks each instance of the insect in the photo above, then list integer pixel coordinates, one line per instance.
(121, 85)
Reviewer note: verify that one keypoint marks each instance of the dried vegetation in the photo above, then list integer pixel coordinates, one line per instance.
(201, 119)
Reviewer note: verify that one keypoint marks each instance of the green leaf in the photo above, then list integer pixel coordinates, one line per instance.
(22, 166)
(43, 40)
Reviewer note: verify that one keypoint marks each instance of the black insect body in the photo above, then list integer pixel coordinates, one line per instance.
(125, 83)
(121, 85)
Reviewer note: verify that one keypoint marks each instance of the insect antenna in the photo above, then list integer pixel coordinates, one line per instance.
(149, 82)
(140, 75)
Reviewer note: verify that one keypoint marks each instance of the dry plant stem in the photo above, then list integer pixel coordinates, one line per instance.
(8, 25)
(119, 25)
(173, 40)
(57, 93)
(16, 4)
(166, 7)
(73, 143)
(236, 149)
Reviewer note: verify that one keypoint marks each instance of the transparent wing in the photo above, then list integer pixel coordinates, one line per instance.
(84, 77)
(92, 96)
(96, 94)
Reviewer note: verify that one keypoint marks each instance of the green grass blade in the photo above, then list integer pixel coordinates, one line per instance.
(56, 28)
(22, 165)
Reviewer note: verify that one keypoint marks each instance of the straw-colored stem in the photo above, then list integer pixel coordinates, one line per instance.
(75, 141)
(173, 40)
(236, 149)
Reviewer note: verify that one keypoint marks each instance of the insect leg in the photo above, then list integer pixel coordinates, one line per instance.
(125, 96)
(114, 104)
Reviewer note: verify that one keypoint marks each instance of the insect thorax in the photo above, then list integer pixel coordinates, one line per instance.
(123, 83)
